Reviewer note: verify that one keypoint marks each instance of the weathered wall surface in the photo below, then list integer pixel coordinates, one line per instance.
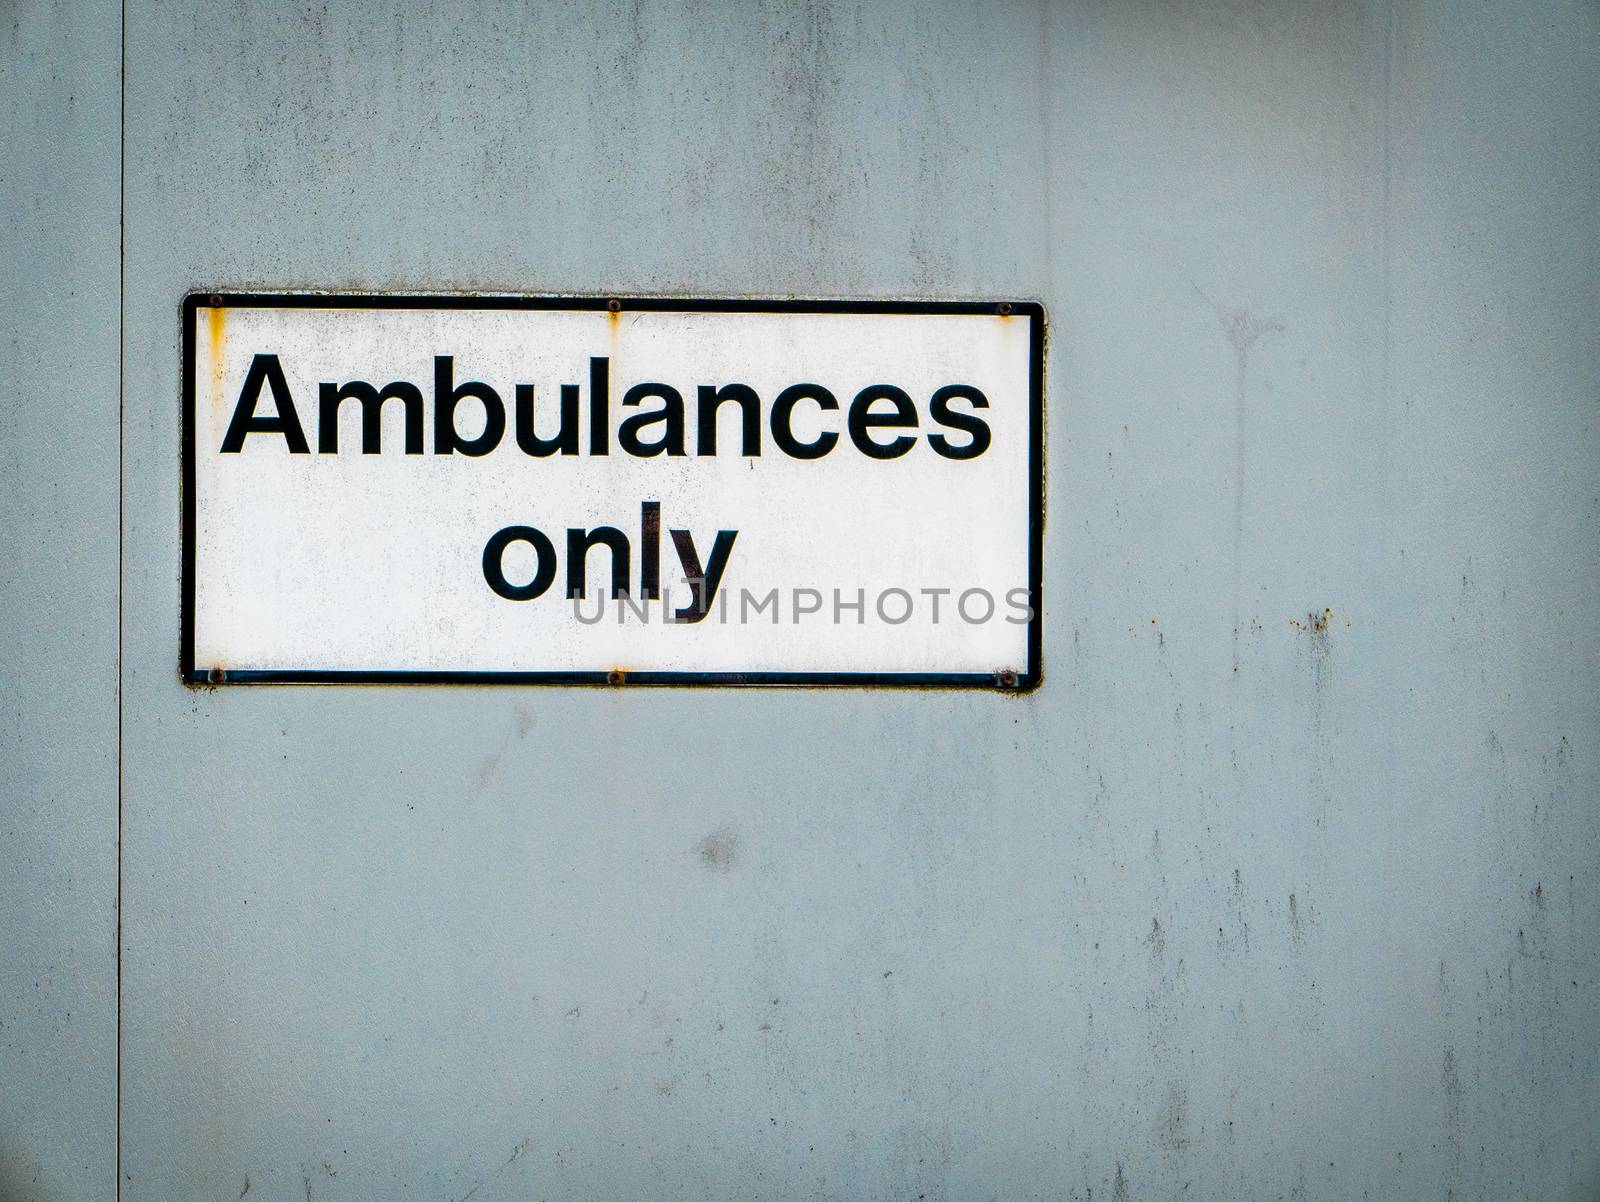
(1283, 884)
(59, 88)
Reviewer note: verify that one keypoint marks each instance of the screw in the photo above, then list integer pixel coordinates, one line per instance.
(1008, 678)
(614, 306)
(1005, 308)
(216, 300)
(216, 676)
(616, 676)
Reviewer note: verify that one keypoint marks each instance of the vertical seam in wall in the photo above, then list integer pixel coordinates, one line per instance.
(122, 292)
(1388, 205)
(1046, 133)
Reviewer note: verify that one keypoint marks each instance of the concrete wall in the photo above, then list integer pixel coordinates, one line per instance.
(1283, 884)
(60, 83)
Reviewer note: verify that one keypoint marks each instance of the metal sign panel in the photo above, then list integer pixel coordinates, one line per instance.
(591, 490)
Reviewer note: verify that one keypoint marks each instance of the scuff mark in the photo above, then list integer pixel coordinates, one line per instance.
(1119, 1189)
(1317, 626)
(518, 1150)
(491, 763)
(1173, 1131)
(719, 850)
(1242, 330)
(246, 1188)
(1450, 1079)
(1237, 905)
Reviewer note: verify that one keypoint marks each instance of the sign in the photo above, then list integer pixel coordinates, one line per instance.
(582, 490)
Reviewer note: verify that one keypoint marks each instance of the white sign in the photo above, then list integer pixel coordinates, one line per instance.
(577, 490)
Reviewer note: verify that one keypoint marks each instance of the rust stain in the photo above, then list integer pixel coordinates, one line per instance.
(1315, 623)
(215, 320)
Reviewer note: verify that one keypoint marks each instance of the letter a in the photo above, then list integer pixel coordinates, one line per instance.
(265, 369)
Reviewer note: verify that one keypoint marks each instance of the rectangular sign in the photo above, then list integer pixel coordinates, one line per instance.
(590, 490)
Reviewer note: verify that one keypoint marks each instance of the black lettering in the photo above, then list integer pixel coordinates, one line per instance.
(330, 398)
(265, 369)
(967, 423)
(750, 413)
(702, 582)
(599, 406)
(783, 415)
(566, 439)
(670, 413)
(578, 544)
(446, 439)
(650, 550)
(494, 568)
(863, 420)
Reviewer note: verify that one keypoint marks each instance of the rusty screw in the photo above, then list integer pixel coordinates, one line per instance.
(216, 676)
(216, 300)
(614, 306)
(1007, 678)
(616, 676)
(1005, 308)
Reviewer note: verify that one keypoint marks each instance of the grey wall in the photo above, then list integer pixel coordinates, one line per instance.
(59, 89)
(1283, 884)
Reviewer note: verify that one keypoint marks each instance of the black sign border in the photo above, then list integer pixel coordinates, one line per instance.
(1030, 676)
